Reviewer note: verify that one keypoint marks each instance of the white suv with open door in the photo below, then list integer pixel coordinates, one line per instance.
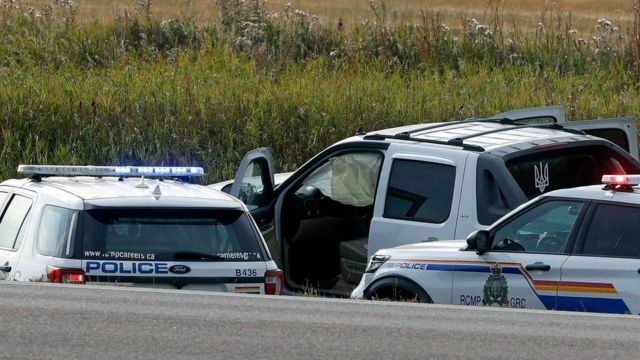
(420, 183)
(130, 226)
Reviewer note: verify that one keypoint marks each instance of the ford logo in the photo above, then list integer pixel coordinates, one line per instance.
(179, 269)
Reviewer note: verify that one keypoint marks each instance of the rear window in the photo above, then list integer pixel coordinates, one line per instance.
(170, 234)
(565, 168)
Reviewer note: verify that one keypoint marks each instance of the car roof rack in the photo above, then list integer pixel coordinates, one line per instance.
(459, 141)
(553, 126)
(498, 120)
(405, 136)
(505, 121)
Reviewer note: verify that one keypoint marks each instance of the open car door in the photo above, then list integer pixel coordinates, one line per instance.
(620, 131)
(534, 115)
(254, 184)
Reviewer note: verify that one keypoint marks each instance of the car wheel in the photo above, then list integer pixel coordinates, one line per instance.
(397, 289)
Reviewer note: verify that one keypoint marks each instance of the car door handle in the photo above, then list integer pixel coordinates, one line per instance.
(5, 268)
(538, 266)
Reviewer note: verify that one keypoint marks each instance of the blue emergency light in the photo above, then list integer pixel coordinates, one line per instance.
(119, 171)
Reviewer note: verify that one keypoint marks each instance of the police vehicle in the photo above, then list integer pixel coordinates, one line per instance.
(419, 183)
(573, 249)
(126, 225)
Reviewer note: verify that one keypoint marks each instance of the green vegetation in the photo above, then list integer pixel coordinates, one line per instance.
(142, 90)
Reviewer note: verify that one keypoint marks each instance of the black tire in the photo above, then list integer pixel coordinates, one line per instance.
(396, 289)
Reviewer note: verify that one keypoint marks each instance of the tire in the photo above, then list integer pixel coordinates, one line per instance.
(397, 289)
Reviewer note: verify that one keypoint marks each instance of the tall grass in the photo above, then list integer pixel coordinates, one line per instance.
(143, 90)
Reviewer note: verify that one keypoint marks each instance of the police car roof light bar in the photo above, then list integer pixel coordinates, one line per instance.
(119, 171)
(620, 182)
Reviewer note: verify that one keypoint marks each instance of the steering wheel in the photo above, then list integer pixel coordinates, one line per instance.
(508, 244)
(308, 197)
(549, 243)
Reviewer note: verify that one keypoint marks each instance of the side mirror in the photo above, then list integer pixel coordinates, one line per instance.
(479, 241)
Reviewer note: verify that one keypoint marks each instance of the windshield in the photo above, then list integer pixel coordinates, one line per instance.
(170, 234)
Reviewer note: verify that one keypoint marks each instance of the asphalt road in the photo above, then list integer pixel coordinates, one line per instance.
(44, 321)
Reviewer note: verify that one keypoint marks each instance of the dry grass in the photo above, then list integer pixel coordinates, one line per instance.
(525, 14)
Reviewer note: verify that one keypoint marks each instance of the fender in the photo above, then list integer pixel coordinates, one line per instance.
(408, 286)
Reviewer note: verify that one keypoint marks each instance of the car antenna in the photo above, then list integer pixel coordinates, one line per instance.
(141, 184)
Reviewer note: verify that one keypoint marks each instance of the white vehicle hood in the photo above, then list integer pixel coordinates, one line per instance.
(419, 250)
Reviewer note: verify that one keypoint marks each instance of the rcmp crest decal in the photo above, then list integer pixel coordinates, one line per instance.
(496, 291)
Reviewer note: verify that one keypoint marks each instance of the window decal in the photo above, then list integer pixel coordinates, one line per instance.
(541, 176)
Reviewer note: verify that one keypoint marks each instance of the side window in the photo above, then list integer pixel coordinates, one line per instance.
(253, 184)
(542, 229)
(350, 179)
(544, 171)
(420, 191)
(55, 231)
(614, 232)
(12, 222)
(492, 203)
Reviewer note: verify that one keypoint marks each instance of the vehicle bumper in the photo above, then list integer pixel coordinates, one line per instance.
(365, 281)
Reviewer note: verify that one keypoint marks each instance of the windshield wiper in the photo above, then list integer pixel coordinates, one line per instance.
(192, 255)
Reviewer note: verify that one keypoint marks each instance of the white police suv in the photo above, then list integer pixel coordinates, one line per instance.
(125, 225)
(420, 183)
(574, 249)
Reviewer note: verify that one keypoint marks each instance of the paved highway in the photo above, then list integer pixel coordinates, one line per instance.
(40, 320)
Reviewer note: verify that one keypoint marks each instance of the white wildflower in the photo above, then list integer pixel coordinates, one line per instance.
(443, 28)
(65, 3)
(472, 22)
(604, 24)
(32, 12)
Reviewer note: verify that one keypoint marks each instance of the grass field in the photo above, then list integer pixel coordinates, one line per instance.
(219, 80)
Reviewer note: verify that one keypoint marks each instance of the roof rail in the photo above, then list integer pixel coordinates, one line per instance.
(406, 136)
(500, 120)
(554, 126)
(505, 121)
